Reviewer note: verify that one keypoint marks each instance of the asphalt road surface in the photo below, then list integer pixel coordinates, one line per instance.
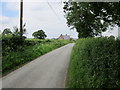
(47, 71)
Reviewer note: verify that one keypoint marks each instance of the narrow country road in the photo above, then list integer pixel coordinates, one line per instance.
(47, 71)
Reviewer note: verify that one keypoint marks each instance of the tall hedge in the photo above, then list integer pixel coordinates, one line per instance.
(95, 63)
(12, 43)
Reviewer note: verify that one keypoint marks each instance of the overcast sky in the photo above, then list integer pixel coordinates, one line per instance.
(47, 15)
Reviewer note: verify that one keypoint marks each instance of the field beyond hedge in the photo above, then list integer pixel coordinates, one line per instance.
(15, 55)
(95, 63)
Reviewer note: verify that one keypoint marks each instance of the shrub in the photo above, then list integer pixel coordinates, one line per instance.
(95, 63)
(12, 43)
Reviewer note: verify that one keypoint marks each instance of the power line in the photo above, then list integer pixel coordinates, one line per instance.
(53, 11)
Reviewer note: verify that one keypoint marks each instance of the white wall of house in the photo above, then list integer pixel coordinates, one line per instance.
(66, 37)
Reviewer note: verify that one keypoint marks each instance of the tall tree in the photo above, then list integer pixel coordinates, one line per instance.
(92, 18)
(40, 34)
(6, 31)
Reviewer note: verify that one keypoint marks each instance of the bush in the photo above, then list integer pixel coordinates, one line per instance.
(95, 63)
(12, 43)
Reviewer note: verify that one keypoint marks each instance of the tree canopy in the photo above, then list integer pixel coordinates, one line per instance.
(6, 31)
(15, 31)
(91, 18)
(40, 34)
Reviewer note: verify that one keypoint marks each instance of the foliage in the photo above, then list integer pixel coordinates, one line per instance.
(31, 49)
(95, 64)
(16, 31)
(6, 31)
(91, 18)
(11, 43)
(40, 34)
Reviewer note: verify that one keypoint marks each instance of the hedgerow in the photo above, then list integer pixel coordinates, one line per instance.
(29, 50)
(95, 63)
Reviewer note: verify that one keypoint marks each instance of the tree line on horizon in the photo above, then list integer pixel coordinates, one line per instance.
(39, 34)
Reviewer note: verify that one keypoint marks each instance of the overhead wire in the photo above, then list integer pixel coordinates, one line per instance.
(53, 10)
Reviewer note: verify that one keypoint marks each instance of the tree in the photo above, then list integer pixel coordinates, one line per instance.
(40, 34)
(6, 31)
(16, 31)
(92, 18)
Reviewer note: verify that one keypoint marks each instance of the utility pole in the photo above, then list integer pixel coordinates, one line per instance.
(21, 18)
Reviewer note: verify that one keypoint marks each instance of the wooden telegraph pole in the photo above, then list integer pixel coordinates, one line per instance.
(21, 18)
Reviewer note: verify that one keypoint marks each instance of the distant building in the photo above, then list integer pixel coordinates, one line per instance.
(64, 37)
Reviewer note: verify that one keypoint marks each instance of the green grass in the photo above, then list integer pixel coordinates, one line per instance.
(34, 48)
(95, 63)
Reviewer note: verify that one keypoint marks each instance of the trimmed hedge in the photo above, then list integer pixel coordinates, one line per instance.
(95, 63)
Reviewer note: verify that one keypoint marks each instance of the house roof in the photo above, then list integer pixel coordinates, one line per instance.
(64, 36)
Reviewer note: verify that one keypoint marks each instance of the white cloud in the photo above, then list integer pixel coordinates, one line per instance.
(43, 15)
(39, 15)
(3, 19)
(7, 22)
(111, 32)
(12, 5)
(34, 0)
